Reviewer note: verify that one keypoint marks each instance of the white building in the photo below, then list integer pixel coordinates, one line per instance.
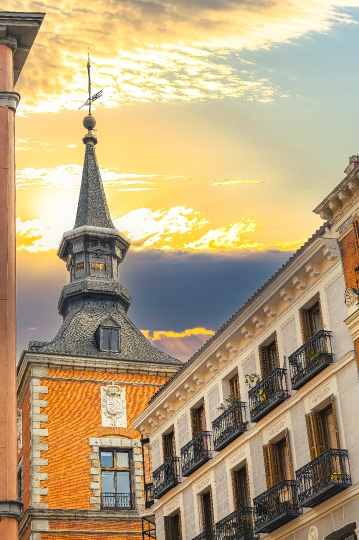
(281, 458)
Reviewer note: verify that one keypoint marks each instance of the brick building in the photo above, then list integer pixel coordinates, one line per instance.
(80, 469)
(257, 435)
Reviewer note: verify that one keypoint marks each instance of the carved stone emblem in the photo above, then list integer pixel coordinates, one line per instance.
(113, 406)
(19, 429)
(313, 533)
(351, 298)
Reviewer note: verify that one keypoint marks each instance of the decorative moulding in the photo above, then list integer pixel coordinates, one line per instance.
(312, 269)
(221, 356)
(160, 415)
(291, 318)
(212, 389)
(212, 366)
(258, 321)
(189, 388)
(334, 204)
(313, 533)
(344, 195)
(145, 432)
(247, 358)
(231, 347)
(247, 332)
(331, 252)
(318, 396)
(169, 407)
(270, 310)
(333, 280)
(173, 505)
(286, 294)
(153, 422)
(237, 456)
(198, 379)
(181, 396)
(203, 483)
(276, 428)
(113, 406)
(299, 283)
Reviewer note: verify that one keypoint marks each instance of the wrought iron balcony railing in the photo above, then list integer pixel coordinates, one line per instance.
(166, 476)
(311, 358)
(323, 477)
(149, 495)
(196, 452)
(207, 535)
(268, 394)
(117, 501)
(276, 506)
(229, 425)
(236, 526)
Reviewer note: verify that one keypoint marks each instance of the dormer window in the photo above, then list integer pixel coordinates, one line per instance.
(108, 336)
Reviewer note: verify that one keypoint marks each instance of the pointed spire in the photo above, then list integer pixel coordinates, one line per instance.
(92, 207)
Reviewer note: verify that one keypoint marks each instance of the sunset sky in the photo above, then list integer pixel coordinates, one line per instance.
(222, 125)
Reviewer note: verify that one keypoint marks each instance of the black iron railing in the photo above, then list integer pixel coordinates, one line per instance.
(196, 452)
(149, 495)
(207, 535)
(149, 528)
(229, 425)
(166, 476)
(267, 394)
(310, 359)
(276, 506)
(323, 477)
(118, 501)
(237, 525)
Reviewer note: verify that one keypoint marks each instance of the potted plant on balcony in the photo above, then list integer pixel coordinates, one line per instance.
(312, 356)
(228, 402)
(251, 380)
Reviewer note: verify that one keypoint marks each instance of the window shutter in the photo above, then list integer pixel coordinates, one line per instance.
(168, 528)
(264, 360)
(335, 420)
(320, 437)
(271, 465)
(179, 526)
(196, 428)
(309, 420)
(248, 485)
(234, 387)
(305, 324)
(356, 231)
(289, 456)
(315, 433)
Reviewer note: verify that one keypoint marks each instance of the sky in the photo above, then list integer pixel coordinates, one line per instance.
(222, 124)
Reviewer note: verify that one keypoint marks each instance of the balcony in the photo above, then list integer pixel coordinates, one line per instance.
(236, 526)
(149, 495)
(311, 358)
(166, 477)
(205, 536)
(323, 477)
(268, 394)
(229, 425)
(116, 501)
(276, 506)
(195, 453)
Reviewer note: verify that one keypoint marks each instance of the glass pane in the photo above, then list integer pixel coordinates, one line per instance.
(105, 339)
(106, 459)
(123, 482)
(108, 481)
(122, 460)
(114, 340)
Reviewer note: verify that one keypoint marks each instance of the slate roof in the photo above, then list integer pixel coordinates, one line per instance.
(77, 334)
(92, 208)
(190, 361)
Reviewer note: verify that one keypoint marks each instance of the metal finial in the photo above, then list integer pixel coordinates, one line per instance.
(93, 98)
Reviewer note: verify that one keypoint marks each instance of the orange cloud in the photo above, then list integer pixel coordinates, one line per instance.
(181, 345)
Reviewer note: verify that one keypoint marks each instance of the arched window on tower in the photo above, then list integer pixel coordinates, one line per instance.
(108, 336)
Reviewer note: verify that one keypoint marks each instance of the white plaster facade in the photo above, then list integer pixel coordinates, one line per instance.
(316, 271)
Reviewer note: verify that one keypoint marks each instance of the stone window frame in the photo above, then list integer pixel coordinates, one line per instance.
(120, 443)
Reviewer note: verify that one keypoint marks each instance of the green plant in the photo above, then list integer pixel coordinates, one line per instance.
(312, 356)
(252, 379)
(228, 402)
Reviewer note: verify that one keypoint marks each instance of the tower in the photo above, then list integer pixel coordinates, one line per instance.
(80, 459)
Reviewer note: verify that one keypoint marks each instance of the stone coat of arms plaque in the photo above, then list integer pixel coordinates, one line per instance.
(113, 406)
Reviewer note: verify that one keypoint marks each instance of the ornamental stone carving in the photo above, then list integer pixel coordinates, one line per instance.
(221, 356)
(237, 457)
(161, 415)
(145, 432)
(273, 430)
(19, 429)
(212, 366)
(189, 388)
(351, 297)
(231, 347)
(313, 533)
(172, 506)
(198, 379)
(320, 394)
(169, 407)
(270, 310)
(153, 422)
(181, 396)
(312, 269)
(299, 283)
(258, 322)
(330, 252)
(113, 406)
(286, 294)
(247, 332)
(202, 483)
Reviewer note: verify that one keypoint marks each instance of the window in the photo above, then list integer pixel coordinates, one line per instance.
(173, 528)
(80, 266)
(19, 485)
(322, 430)
(169, 448)
(234, 387)
(311, 321)
(115, 479)
(198, 420)
(110, 339)
(241, 488)
(207, 512)
(269, 358)
(277, 461)
(98, 266)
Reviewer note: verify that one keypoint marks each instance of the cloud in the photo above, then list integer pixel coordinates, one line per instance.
(162, 50)
(35, 235)
(227, 237)
(233, 182)
(179, 344)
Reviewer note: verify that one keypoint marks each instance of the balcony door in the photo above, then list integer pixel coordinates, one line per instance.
(207, 512)
(322, 430)
(277, 461)
(241, 492)
(173, 528)
(198, 420)
(311, 321)
(269, 358)
(169, 446)
(234, 387)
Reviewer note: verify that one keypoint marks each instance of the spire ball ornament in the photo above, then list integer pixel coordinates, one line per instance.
(89, 122)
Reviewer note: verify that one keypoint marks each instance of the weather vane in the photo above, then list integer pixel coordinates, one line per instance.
(93, 98)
